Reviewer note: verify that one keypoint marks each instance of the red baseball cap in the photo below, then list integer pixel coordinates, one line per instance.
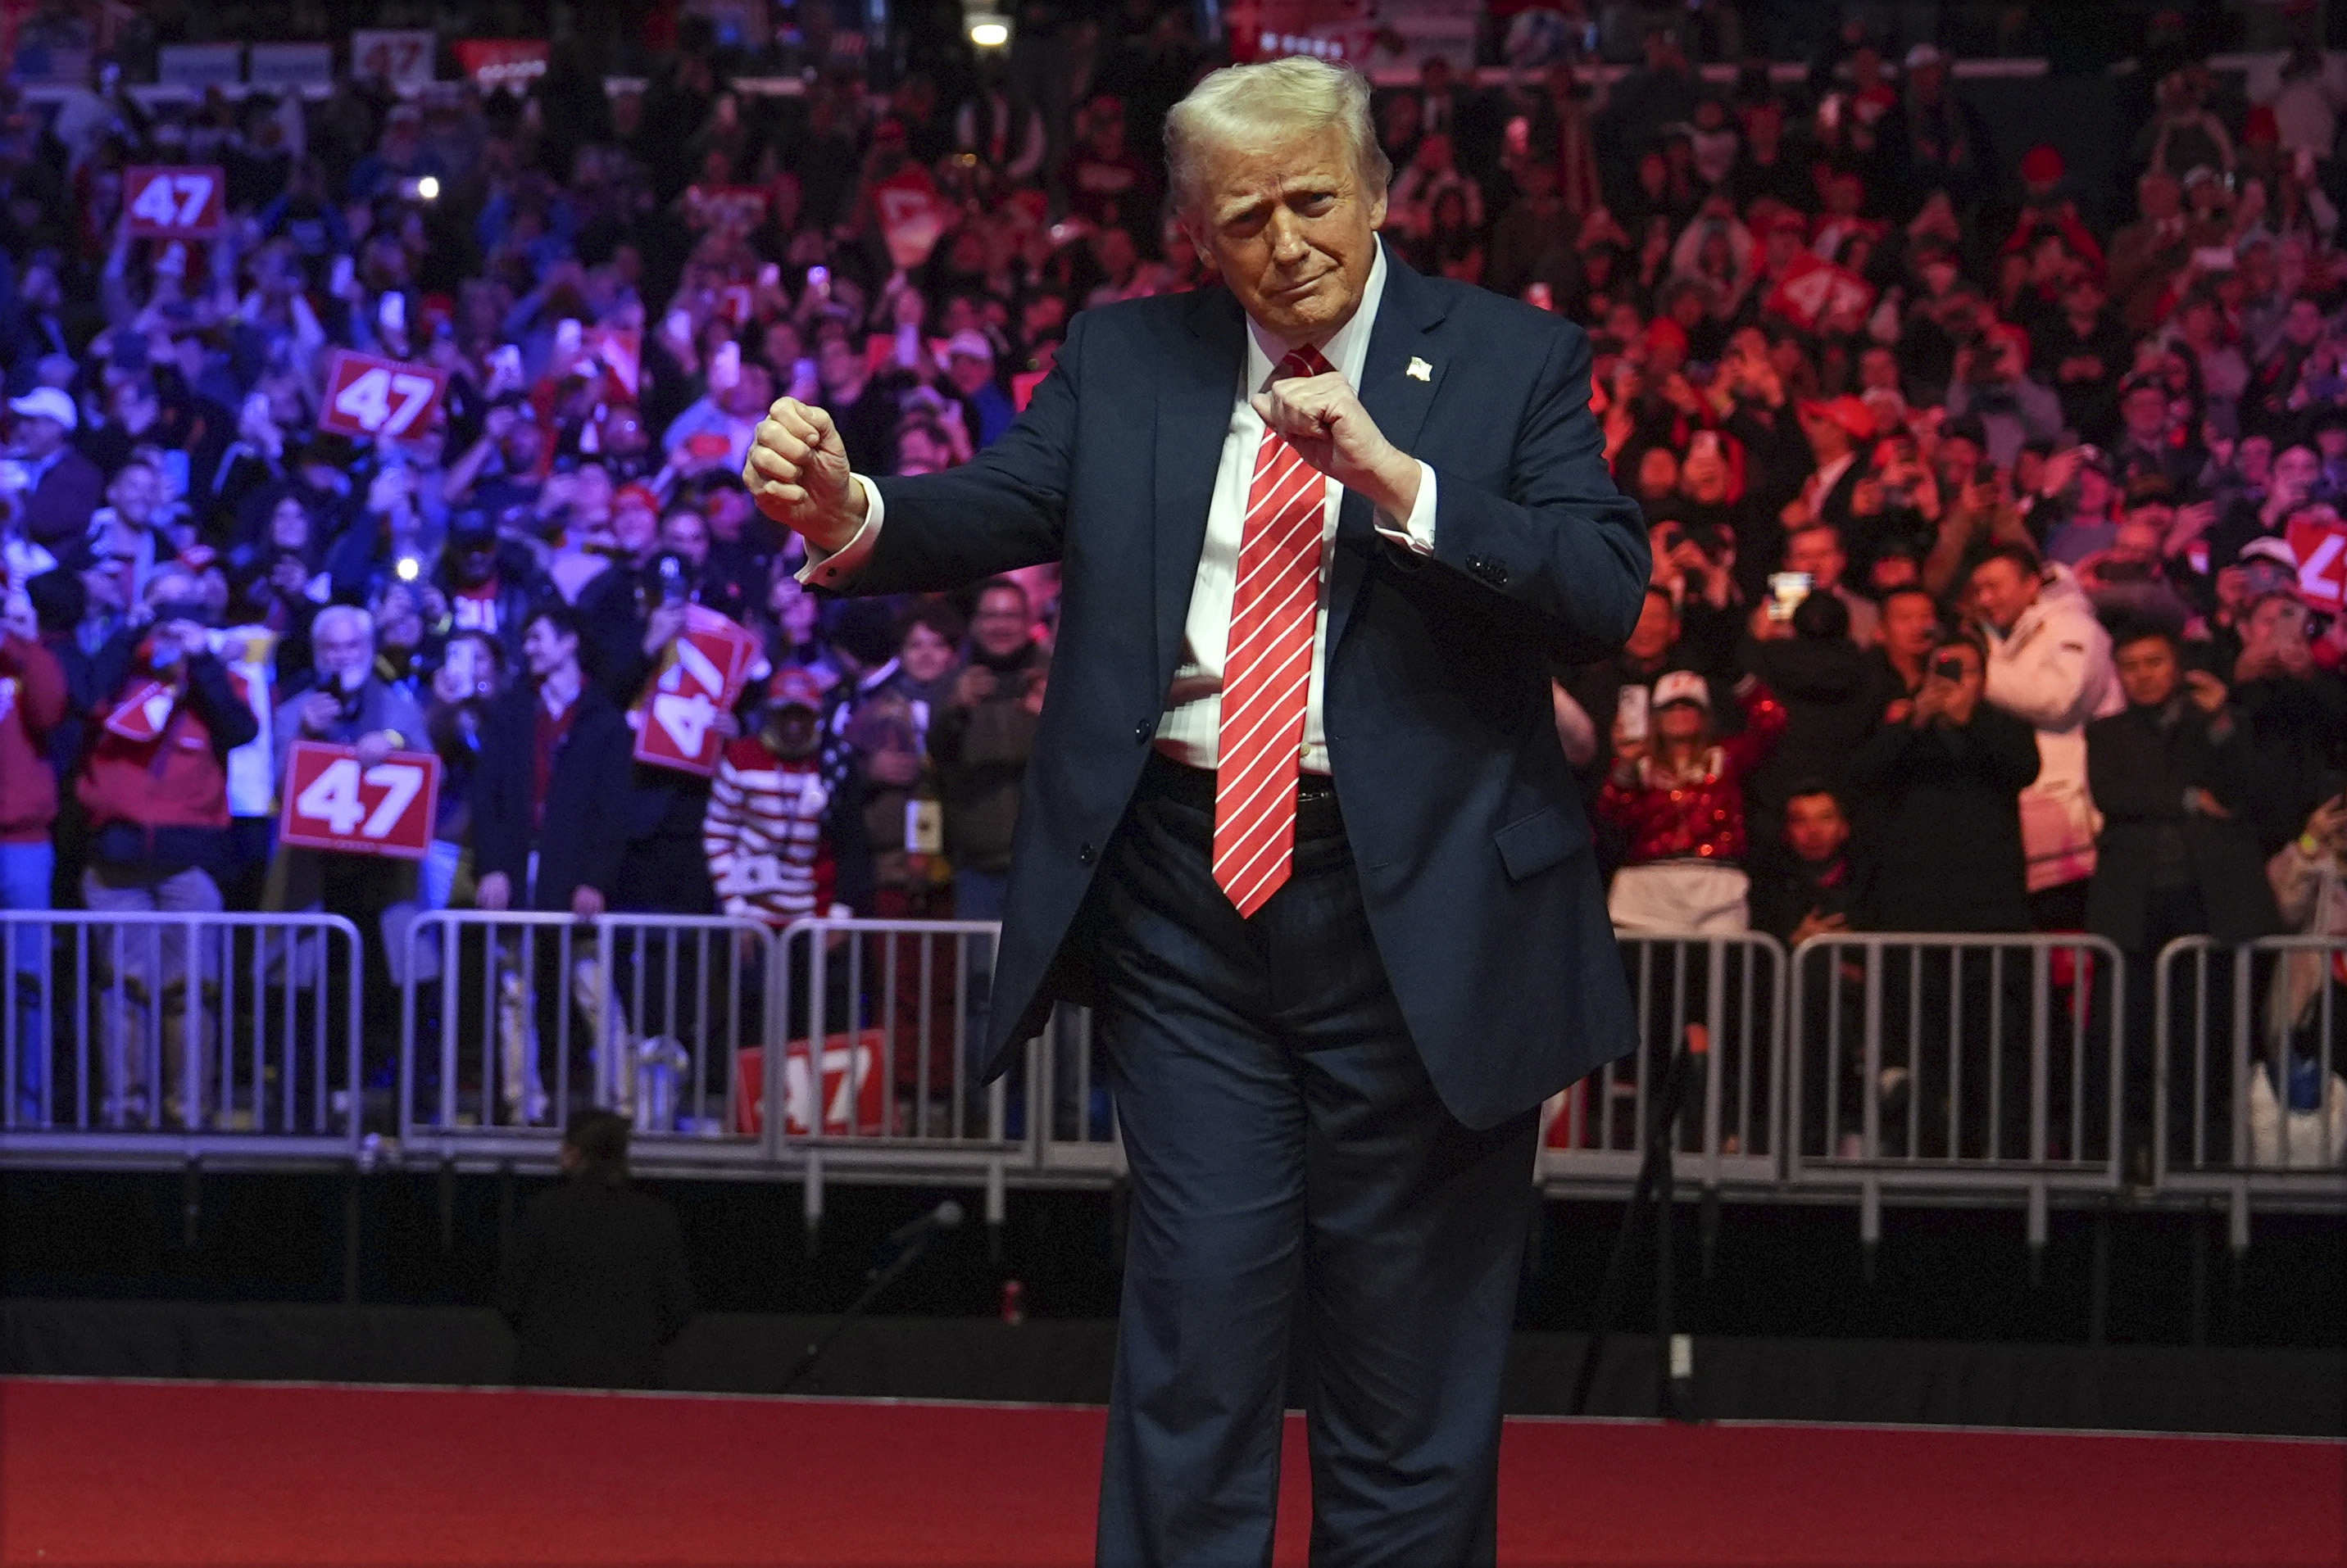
(795, 686)
(1847, 411)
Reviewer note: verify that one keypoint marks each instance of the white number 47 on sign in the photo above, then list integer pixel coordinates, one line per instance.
(332, 797)
(173, 200)
(367, 401)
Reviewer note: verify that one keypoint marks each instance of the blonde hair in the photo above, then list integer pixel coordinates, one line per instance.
(1245, 103)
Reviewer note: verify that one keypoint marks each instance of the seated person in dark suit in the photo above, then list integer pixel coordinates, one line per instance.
(596, 1283)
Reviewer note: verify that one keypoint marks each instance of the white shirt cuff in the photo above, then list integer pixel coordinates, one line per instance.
(1414, 534)
(828, 568)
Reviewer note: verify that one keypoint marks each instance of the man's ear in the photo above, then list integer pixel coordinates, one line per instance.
(1377, 208)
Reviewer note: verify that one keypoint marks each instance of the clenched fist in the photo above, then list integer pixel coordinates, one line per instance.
(1324, 421)
(797, 474)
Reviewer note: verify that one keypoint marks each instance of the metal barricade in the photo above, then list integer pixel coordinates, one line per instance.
(881, 1032)
(133, 1037)
(1956, 1064)
(1723, 996)
(1072, 1106)
(2252, 1065)
(514, 1020)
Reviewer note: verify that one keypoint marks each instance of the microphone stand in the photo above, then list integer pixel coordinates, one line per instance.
(881, 1279)
(1654, 1183)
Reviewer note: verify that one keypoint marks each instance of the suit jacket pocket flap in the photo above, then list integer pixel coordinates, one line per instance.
(1535, 843)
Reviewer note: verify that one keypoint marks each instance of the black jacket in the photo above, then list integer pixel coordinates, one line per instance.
(1834, 693)
(2140, 764)
(1787, 891)
(595, 1285)
(1950, 854)
(587, 798)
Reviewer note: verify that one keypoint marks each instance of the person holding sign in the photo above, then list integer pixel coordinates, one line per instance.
(347, 704)
(154, 789)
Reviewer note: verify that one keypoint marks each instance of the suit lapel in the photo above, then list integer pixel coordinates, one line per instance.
(1397, 402)
(1194, 416)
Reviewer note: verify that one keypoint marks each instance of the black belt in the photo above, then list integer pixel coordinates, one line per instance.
(1316, 794)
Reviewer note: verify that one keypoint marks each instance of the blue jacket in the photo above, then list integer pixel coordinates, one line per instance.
(1464, 822)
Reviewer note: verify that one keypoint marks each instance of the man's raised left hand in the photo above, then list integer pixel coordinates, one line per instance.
(1324, 421)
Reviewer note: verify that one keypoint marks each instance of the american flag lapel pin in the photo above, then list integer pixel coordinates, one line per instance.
(1419, 370)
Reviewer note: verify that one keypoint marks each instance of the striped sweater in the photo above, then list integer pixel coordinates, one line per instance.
(769, 855)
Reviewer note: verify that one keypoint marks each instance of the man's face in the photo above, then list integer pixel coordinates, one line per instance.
(1910, 625)
(1815, 829)
(999, 626)
(1291, 229)
(341, 649)
(547, 650)
(970, 373)
(1819, 553)
(634, 527)
(2303, 324)
(2255, 458)
(1658, 629)
(2145, 413)
(2147, 672)
(135, 491)
(1828, 440)
(2296, 470)
(2002, 591)
(792, 730)
(39, 435)
(685, 534)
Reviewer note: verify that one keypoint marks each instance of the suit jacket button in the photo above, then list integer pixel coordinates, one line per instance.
(1499, 575)
(1141, 732)
(1083, 854)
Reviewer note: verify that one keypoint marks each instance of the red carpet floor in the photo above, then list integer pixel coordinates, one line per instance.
(99, 1472)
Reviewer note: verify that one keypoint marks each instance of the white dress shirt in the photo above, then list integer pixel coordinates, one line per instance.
(1190, 730)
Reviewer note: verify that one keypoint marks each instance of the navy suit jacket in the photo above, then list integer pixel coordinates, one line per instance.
(1465, 825)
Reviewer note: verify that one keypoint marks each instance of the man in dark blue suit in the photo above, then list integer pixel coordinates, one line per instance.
(1297, 824)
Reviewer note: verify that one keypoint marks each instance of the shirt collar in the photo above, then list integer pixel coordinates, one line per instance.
(1346, 351)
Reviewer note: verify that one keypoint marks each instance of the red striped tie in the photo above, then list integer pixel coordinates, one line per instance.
(1268, 665)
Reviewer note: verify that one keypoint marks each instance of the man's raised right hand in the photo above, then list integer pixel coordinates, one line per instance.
(797, 474)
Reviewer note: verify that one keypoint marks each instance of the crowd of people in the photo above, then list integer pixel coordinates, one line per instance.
(1991, 542)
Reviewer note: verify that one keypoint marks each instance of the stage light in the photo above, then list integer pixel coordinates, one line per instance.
(989, 32)
(428, 187)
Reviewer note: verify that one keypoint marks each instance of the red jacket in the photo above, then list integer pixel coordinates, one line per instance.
(165, 800)
(32, 702)
(1697, 816)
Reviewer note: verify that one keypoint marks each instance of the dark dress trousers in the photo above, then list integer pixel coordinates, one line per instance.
(595, 1287)
(1329, 1107)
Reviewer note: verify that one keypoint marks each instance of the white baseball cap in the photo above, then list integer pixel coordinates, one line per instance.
(47, 402)
(970, 343)
(1683, 686)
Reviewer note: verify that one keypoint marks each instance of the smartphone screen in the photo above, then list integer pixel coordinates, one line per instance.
(1630, 711)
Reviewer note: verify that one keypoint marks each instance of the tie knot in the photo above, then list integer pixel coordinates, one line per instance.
(1306, 360)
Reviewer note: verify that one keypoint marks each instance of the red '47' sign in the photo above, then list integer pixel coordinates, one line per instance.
(332, 802)
(174, 203)
(700, 677)
(2321, 552)
(385, 399)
